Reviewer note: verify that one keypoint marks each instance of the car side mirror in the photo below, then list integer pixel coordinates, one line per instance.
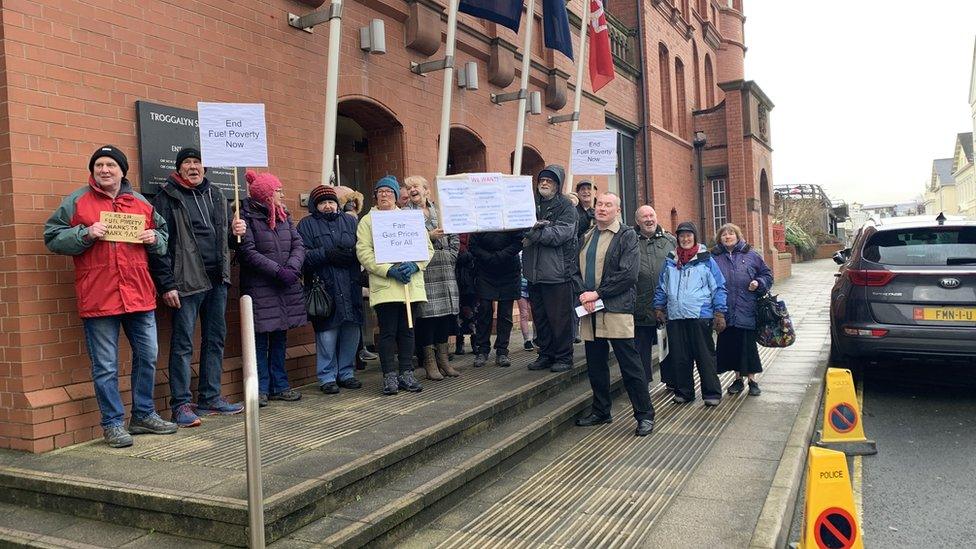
(842, 256)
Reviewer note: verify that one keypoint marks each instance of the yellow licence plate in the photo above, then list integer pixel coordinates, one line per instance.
(946, 314)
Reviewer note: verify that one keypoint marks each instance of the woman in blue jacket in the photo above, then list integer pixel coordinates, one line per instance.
(690, 298)
(746, 278)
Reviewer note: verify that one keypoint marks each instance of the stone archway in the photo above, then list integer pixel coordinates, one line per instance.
(466, 152)
(369, 142)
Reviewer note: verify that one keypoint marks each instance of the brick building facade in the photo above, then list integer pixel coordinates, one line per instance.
(73, 70)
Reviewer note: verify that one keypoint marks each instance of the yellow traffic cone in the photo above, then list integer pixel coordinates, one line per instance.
(829, 518)
(843, 428)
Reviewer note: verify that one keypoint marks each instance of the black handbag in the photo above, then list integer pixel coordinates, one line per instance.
(318, 302)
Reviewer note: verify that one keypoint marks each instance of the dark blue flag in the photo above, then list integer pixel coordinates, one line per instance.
(555, 22)
(507, 13)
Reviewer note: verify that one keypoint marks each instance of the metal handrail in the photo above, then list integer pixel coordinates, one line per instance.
(255, 495)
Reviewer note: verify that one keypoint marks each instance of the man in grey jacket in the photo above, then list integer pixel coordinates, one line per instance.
(548, 264)
(654, 244)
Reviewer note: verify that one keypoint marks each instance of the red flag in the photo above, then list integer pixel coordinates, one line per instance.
(601, 60)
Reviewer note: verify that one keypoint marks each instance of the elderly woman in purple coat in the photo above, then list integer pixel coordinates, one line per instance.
(271, 255)
(746, 278)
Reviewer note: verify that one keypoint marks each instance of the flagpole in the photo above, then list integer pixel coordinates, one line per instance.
(577, 97)
(445, 134)
(524, 87)
(331, 90)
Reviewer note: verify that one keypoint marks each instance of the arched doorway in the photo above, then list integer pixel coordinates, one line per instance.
(369, 142)
(532, 162)
(466, 152)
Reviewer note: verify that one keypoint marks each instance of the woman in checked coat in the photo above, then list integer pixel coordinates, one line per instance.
(435, 320)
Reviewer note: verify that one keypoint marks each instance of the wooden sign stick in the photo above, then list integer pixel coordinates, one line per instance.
(237, 202)
(406, 293)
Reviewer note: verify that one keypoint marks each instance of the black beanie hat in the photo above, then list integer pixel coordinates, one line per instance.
(687, 227)
(187, 152)
(112, 152)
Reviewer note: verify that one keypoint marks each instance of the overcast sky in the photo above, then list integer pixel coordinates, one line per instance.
(867, 92)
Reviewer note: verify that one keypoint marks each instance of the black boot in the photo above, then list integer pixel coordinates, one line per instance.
(459, 345)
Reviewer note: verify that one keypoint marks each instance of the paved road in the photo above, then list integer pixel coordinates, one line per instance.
(920, 489)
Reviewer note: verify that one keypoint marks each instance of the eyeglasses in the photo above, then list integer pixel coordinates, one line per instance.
(280, 191)
(384, 191)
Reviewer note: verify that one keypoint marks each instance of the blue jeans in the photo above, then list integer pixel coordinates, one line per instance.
(102, 339)
(210, 307)
(332, 362)
(270, 348)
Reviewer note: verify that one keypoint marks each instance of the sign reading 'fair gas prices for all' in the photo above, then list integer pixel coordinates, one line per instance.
(399, 235)
(594, 152)
(480, 202)
(233, 134)
(123, 227)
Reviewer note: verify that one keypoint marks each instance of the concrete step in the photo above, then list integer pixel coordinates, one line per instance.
(414, 496)
(187, 495)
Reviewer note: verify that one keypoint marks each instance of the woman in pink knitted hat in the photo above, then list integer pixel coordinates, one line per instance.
(271, 256)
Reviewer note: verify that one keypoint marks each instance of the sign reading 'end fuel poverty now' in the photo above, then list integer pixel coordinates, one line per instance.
(233, 134)
(594, 152)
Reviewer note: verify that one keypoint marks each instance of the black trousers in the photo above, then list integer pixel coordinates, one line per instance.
(553, 314)
(395, 346)
(598, 370)
(503, 327)
(644, 338)
(433, 330)
(690, 342)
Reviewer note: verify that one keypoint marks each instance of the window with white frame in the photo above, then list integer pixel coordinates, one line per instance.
(720, 203)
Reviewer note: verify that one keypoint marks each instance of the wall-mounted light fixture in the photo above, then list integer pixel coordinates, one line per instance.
(372, 38)
(467, 76)
(534, 104)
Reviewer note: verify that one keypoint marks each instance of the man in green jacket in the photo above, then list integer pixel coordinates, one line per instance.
(654, 244)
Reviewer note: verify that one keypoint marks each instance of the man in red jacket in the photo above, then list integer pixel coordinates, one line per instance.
(114, 289)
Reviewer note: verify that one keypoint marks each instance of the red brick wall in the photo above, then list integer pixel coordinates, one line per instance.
(69, 84)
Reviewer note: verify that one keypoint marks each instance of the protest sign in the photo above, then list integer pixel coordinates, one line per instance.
(481, 202)
(233, 134)
(399, 235)
(163, 132)
(594, 152)
(123, 227)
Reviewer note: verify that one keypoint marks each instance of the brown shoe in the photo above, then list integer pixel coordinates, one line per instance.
(440, 354)
(430, 365)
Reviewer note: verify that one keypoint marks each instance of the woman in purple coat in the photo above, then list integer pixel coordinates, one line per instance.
(746, 278)
(271, 255)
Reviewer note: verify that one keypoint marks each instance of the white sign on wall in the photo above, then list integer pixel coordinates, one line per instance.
(399, 235)
(481, 202)
(594, 152)
(233, 134)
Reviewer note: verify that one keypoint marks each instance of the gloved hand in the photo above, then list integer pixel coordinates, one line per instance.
(397, 273)
(286, 276)
(343, 256)
(540, 224)
(719, 323)
(661, 317)
(409, 268)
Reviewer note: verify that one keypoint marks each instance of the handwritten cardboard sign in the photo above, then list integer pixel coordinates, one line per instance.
(399, 235)
(123, 227)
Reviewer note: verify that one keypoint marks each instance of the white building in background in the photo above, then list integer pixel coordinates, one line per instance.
(940, 194)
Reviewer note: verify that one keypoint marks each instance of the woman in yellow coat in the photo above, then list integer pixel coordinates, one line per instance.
(387, 295)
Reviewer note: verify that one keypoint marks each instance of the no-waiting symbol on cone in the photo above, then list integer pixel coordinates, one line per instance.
(843, 418)
(835, 529)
